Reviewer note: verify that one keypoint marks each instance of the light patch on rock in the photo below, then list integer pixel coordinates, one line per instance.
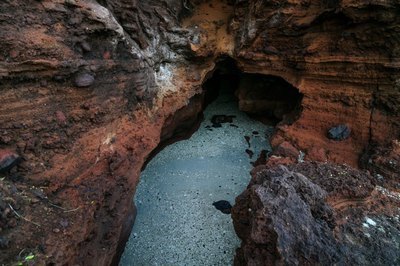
(104, 16)
(164, 77)
(370, 221)
(109, 139)
(391, 194)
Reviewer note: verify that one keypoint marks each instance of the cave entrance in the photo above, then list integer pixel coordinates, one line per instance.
(268, 98)
(184, 195)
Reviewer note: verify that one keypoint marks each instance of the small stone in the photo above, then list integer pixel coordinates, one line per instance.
(84, 80)
(64, 223)
(39, 193)
(56, 230)
(70, 3)
(8, 159)
(220, 119)
(107, 55)
(4, 242)
(340, 132)
(86, 46)
(370, 221)
(250, 153)
(223, 206)
(43, 83)
(61, 119)
(14, 53)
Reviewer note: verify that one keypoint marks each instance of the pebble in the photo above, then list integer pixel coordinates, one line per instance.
(340, 132)
(64, 223)
(223, 206)
(8, 159)
(84, 80)
(4, 242)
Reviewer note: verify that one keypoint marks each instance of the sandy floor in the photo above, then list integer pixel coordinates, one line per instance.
(176, 222)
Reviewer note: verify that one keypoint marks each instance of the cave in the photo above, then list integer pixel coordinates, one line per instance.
(268, 98)
(207, 151)
(303, 95)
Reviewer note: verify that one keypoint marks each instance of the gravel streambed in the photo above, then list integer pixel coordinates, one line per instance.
(176, 223)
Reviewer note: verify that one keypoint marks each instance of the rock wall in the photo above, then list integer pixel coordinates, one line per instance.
(83, 105)
(86, 86)
(342, 55)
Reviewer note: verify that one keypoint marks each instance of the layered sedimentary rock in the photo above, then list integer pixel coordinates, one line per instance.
(82, 104)
(342, 55)
(86, 86)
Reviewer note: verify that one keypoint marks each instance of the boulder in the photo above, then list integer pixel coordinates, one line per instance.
(305, 214)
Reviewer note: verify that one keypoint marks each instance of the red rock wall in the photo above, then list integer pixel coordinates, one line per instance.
(84, 146)
(342, 55)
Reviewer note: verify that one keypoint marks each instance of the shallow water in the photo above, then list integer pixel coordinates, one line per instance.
(176, 223)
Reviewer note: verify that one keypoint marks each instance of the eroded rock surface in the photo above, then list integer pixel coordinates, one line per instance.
(85, 146)
(313, 213)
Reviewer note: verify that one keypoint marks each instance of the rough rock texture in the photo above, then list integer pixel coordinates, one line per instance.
(84, 146)
(384, 162)
(316, 214)
(342, 55)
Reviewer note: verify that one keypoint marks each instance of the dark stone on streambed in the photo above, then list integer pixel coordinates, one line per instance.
(217, 120)
(250, 153)
(233, 125)
(340, 132)
(83, 80)
(8, 159)
(247, 138)
(223, 206)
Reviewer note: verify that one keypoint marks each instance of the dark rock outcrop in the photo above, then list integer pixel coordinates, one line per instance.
(315, 214)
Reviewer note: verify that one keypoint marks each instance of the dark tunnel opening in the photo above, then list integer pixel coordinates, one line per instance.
(270, 99)
(239, 97)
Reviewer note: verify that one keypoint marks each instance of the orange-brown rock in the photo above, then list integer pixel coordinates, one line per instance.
(84, 146)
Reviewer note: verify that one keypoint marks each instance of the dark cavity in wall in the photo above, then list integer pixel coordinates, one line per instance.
(267, 98)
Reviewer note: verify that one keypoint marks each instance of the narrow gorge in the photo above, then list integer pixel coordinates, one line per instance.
(143, 114)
